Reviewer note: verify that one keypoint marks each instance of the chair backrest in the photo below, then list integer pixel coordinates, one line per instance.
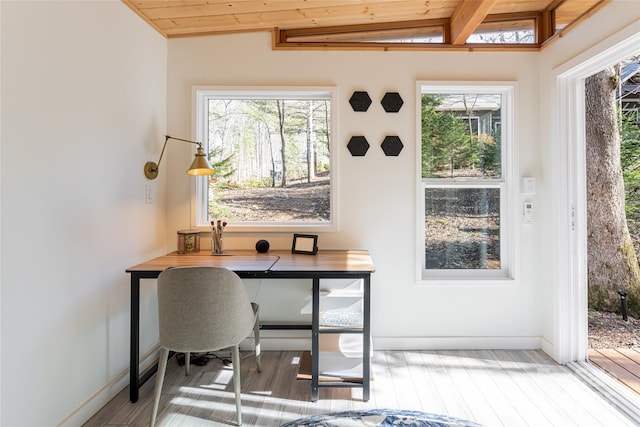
(202, 309)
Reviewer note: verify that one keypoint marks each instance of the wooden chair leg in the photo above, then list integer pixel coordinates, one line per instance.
(235, 359)
(162, 368)
(187, 362)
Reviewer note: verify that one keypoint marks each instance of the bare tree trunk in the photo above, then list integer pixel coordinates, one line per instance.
(283, 152)
(612, 263)
(311, 158)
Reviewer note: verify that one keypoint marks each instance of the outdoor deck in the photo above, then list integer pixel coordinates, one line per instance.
(621, 363)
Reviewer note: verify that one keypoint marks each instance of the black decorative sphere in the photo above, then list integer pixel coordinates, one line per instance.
(262, 246)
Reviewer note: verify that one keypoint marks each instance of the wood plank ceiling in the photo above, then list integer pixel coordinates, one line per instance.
(373, 24)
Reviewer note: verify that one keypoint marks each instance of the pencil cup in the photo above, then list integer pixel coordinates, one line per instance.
(217, 227)
(216, 243)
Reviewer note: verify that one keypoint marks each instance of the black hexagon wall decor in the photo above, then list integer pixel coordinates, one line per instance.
(392, 102)
(358, 145)
(360, 101)
(392, 146)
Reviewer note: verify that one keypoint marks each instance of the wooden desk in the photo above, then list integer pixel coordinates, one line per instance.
(353, 264)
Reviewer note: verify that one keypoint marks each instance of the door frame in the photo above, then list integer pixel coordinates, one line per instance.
(570, 325)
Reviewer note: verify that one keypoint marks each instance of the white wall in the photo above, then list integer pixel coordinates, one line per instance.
(83, 107)
(377, 193)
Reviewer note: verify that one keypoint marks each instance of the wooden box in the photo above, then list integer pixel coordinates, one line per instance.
(188, 241)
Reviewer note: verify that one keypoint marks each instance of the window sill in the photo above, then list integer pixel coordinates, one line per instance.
(457, 281)
(275, 228)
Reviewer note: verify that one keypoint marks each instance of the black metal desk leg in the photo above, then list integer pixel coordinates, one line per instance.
(366, 339)
(315, 337)
(134, 349)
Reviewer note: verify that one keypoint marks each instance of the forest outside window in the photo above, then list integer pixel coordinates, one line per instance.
(272, 151)
(465, 133)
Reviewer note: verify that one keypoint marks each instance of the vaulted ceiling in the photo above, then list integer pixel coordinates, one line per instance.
(376, 24)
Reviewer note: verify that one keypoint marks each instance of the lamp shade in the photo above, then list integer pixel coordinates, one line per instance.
(200, 165)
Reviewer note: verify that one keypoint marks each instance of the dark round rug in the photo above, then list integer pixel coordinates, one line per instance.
(380, 417)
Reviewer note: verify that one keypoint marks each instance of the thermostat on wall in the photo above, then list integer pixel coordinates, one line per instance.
(527, 213)
(528, 185)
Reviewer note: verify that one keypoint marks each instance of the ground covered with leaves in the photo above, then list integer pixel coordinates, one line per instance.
(609, 330)
(296, 202)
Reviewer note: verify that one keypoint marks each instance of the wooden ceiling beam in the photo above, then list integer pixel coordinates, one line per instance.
(466, 18)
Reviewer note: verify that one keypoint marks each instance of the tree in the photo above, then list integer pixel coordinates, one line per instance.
(445, 140)
(283, 152)
(311, 144)
(612, 262)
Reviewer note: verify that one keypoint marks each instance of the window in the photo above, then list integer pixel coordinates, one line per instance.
(271, 149)
(465, 139)
(406, 33)
(494, 30)
(505, 32)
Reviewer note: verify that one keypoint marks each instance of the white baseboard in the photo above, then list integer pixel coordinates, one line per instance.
(96, 402)
(549, 349)
(279, 344)
(412, 343)
(456, 343)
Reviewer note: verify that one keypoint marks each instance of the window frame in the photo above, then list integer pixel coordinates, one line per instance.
(200, 123)
(509, 233)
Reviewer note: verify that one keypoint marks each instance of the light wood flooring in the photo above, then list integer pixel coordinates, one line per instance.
(491, 387)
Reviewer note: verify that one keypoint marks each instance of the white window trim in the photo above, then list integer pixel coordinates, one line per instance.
(200, 117)
(569, 341)
(508, 207)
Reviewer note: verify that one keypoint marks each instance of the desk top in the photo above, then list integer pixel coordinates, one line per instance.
(325, 260)
(276, 261)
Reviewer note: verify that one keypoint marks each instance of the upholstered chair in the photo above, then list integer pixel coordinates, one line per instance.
(203, 309)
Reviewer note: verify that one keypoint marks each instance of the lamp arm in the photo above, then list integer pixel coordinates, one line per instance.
(167, 138)
(151, 169)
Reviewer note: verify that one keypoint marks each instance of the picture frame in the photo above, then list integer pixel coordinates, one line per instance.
(305, 244)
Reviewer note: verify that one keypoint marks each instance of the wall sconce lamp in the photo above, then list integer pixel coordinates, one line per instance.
(200, 165)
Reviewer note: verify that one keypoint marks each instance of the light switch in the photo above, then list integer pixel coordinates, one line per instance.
(149, 193)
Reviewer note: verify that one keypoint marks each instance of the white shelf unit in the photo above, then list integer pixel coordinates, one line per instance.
(341, 332)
